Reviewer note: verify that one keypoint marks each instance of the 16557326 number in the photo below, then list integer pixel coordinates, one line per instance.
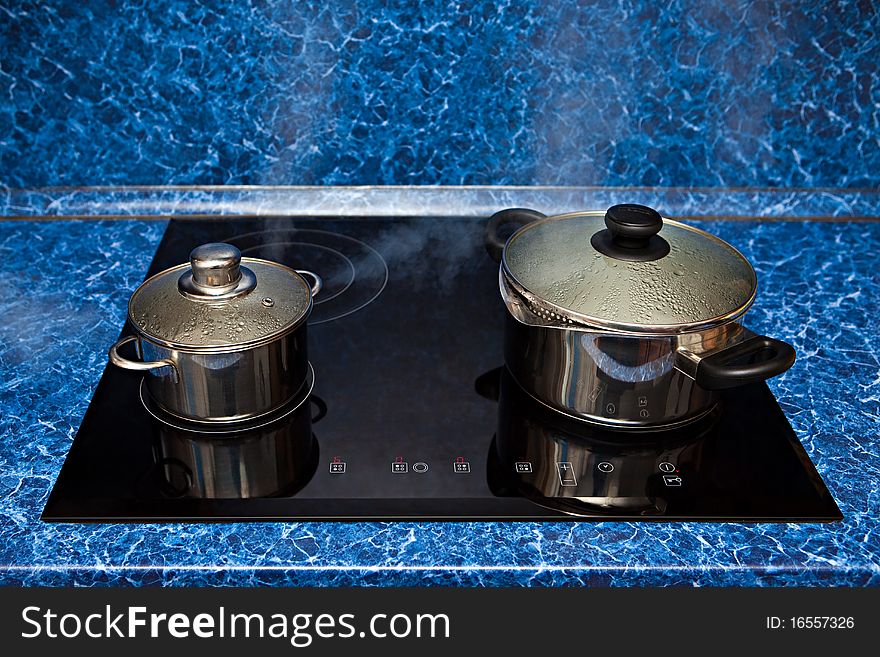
(822, 622)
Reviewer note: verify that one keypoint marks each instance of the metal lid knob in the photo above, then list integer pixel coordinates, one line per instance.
(216, 273)
(215, 265)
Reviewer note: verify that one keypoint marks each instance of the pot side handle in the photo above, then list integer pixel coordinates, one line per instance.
(318, 283)
(517, 217)
(137, 365)
(756, 359)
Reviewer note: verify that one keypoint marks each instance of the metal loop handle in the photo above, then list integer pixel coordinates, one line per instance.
(318, 285)
(137, 365)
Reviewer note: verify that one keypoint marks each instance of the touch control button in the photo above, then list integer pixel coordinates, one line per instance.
(461, 466)
(566, 473)
(523, 466)
(420, 467)
(666, 466)
(605, 466)
(672, 480)
(337, 467)
(399, 467)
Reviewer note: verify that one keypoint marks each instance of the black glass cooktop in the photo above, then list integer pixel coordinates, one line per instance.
(410, 414)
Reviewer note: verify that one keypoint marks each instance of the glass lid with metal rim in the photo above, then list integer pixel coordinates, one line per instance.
(629, 269)
(219, 300)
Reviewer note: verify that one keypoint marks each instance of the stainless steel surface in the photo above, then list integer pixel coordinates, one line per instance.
(221, 429)
(221, 342)
(189, 320)
(318, 282)
(139, 365)
(229, 386)
(702, 282)
(599, 470)
(215, 266)
(259, 461)
(216, 273)
(627, 343)
(620, 381)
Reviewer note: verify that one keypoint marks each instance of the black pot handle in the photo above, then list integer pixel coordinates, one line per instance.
(517, 217)
(756, 359)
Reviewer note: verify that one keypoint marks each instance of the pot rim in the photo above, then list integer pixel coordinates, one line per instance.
(219, 349)
(568, 320)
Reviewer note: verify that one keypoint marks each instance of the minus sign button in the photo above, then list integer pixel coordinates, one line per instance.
(566, 473)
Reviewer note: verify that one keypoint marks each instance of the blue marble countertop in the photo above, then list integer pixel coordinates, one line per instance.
(66, 283)
(612, 92)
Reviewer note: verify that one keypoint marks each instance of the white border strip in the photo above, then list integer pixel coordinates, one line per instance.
(112, 202)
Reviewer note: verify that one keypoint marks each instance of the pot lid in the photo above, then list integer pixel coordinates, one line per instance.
(219, 301)
(629, 269)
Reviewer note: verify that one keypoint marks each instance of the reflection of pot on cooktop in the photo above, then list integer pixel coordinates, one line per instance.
(573, 466)
(268, 457)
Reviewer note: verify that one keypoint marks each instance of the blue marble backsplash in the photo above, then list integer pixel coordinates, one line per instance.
(717, 93)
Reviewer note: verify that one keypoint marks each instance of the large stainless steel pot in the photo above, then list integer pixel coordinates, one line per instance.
(625, 319)
(223, 338)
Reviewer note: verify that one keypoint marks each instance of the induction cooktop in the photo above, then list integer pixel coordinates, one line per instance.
(409, 412)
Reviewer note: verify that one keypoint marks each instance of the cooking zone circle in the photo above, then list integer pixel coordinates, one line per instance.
(354, 273)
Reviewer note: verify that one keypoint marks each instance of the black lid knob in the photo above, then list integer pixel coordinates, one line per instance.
(632, 226)
(632, 234)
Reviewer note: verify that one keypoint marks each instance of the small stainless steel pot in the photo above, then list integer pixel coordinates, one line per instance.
(630, 323)
(223, 338)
